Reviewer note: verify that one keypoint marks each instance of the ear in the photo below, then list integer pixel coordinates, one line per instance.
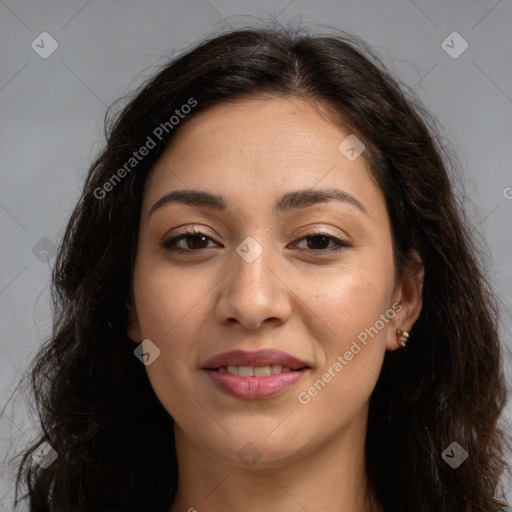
(409, 294)
(133, 328)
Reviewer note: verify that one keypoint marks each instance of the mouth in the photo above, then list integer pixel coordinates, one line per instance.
(257, 371)
(255, 375)
(255, 383)
(260, 363)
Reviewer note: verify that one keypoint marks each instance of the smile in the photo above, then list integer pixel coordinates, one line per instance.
(255, 383)
(255, 371)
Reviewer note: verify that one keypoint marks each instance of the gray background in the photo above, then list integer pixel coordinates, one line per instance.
(51, 121)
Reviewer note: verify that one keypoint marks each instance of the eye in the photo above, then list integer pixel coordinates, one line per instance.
(319, 238)
(196, 241)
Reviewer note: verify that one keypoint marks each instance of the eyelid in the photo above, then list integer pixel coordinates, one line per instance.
(189, 231)
(168, 243)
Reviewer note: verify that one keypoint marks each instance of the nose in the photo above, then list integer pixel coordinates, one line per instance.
(253, 293)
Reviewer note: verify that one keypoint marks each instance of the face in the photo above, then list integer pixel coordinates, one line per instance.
(294, 255)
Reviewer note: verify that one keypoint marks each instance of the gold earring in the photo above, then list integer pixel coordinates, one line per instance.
(403, 337)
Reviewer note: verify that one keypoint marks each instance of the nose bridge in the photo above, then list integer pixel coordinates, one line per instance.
(253, 280)
(254, 292)
(252, 267)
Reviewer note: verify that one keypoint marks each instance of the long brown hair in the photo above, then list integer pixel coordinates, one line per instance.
(97, 409)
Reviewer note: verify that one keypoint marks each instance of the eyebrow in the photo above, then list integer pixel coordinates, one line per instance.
(287, 202)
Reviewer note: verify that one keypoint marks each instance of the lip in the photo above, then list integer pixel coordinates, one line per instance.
(264, 357)
(255, 388)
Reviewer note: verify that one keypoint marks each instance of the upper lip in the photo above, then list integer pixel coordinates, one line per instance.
(265, 357)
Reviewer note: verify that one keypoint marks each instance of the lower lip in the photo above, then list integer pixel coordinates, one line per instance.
(255, 388)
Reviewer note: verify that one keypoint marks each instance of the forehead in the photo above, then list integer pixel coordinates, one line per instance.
(254, 150)
(288, 129)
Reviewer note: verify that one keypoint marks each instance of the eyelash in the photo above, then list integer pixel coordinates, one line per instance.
(169, 244)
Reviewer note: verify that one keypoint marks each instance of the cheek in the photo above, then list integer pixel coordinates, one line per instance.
(170, 309)
(349, 301)
(164, 296)
(351, 338)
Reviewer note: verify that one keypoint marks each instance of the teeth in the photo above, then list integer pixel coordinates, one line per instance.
(232, 369)
(261, 371)
(254, 371)
(245, 371)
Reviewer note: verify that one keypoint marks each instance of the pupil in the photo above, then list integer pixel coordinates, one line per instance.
(316, 238)
(194, 239)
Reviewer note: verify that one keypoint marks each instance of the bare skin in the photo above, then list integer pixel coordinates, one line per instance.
(296, 296)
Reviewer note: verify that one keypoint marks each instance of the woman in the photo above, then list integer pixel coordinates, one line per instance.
(267, 297)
